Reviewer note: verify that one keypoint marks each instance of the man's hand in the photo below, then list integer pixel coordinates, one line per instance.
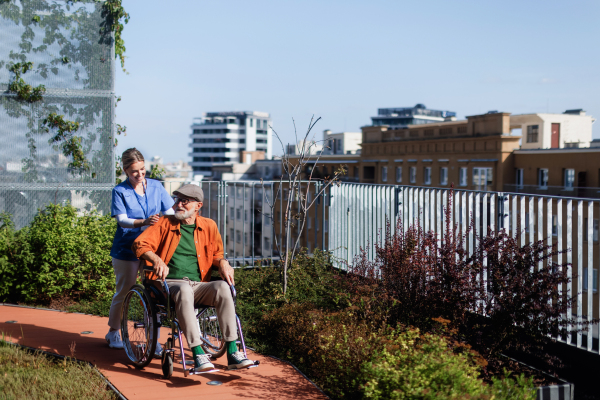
(159, 266)
(226, 272)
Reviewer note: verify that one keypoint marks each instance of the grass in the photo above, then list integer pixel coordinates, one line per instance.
(25, 375)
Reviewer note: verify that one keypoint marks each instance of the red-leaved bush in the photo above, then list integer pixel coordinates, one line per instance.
(497, 295)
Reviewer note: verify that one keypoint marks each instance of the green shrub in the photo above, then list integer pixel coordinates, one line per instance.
(59, 254)
(9, 240)
(328, 346)
(416, 366)
(310, 280)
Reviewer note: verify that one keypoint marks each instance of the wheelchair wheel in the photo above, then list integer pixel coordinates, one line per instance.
(210, 330)
(167, 360)
(138, 326)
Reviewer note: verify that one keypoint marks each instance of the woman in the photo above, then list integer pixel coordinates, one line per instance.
(136, 204)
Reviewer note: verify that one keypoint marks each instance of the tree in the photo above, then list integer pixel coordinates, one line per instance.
(293, 167)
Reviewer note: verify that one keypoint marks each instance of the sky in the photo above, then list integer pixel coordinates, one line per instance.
(341, 60)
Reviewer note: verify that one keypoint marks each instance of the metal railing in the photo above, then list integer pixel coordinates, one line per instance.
(575, 191)
(249, 217)
(359, 213)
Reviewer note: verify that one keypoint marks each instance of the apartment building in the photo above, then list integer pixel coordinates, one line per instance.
(342, 142)
(220, 137)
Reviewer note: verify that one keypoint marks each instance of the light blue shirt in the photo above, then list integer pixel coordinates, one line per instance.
(126, 201)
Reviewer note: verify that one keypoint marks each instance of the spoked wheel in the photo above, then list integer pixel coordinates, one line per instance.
(167, 359)
(210, 330)
(138, 326)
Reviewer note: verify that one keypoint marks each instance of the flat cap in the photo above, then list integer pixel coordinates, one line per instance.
(192, 191)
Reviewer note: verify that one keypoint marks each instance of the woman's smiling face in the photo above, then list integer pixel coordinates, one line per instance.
(136, 172)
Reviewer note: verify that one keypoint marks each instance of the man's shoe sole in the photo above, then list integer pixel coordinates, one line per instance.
(241, 365)
(204, 367)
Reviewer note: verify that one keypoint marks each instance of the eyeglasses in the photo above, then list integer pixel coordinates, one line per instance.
(184, 202)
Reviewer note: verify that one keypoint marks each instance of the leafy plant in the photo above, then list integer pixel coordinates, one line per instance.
(156, 172)
(71, 145)
(422, 366)
(59, 254)
(18, 86)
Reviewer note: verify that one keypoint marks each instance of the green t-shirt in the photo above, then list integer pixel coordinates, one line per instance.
(184, 262)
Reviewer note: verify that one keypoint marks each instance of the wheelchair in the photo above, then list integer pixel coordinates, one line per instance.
(148, 306)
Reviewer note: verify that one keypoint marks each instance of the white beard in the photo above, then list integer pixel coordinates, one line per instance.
(182, 215)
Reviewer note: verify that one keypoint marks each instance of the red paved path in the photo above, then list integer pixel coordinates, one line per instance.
(54, 331)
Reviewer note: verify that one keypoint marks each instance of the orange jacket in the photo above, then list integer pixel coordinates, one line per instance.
(163, 237)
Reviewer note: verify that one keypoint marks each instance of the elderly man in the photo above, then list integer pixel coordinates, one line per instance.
(182, 249)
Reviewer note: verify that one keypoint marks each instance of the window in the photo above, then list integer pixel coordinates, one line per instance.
(231, 212)
(554, 225)
(594, 280)
(238, 214)
(246, 238)
(569, 178)
(482, 178)
(368, 172)
(519, 178)
(384, 174)
(231, 235)
(462, 176)
(245, 215)
(413, 174)
(238, 236)
(251, 122)
(427, 175)
(444, 176)
(355, 172)
(543, 178)
(398, 174)
(532, 133)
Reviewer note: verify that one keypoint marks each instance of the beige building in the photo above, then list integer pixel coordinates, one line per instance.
(472, 154)
(572, 129)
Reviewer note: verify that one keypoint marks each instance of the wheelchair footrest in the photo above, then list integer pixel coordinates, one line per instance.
(192, 371)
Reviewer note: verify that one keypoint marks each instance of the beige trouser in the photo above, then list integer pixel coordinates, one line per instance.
(125, 276)
(187, 294)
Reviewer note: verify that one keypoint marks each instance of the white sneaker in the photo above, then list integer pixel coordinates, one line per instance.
(158, 351)
(114, 340)
(202, 363)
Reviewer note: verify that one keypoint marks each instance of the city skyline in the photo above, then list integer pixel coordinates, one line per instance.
(342, 61)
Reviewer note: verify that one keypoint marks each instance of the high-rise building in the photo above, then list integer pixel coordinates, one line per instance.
(221, 137)
(395, 118)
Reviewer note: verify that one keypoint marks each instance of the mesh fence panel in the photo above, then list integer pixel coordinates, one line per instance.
(71, 49)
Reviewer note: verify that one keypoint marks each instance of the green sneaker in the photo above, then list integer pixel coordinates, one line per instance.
(202, 363)
(237, 360)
